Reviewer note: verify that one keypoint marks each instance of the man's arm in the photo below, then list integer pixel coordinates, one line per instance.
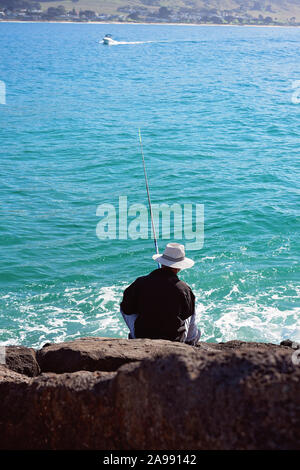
(192, 331)
(188, 304)
(129, 320)
(129, 302)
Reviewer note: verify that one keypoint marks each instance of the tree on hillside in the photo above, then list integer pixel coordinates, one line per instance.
(133, 16)
(164, 12)
(268, 20)
(54, 12)
(89, 14)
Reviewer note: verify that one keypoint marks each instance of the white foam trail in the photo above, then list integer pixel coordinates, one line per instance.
(134, 42)
(118, 43)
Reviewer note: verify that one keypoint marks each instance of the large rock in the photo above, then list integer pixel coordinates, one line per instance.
(22, 360)
(67, 411)
(106, 354)
(243, 397)
(13, 389)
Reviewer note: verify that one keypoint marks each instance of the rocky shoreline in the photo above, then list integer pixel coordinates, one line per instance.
(119, 394)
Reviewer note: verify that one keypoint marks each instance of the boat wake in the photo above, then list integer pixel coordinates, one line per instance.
(119, 43)
(112, 42)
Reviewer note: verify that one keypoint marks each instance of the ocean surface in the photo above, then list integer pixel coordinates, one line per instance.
(219, 112)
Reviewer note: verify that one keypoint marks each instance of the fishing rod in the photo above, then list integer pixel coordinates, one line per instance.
(148, 194)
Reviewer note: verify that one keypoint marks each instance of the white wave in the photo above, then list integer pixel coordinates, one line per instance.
(81, 311)
(248, 317)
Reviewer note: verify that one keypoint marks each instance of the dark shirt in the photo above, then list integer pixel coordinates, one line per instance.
(162, 302)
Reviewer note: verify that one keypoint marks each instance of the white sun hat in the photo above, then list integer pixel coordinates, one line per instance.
(174, 257)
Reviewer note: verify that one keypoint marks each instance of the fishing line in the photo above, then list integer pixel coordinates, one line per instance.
(148, 194)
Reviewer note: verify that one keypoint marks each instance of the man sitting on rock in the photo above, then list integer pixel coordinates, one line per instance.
(160, 305)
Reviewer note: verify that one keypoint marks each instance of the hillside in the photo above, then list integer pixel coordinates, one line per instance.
(285, 11)
(188, 11)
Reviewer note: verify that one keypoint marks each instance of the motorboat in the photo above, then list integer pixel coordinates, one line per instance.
(108, 40)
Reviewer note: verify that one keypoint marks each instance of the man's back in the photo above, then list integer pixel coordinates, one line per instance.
(162, 302)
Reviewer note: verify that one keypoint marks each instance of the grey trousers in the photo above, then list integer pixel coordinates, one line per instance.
(192, 332)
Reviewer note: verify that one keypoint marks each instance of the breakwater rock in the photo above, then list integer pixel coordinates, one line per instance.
(105, 393)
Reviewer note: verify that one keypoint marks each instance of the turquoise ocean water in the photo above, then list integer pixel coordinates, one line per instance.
(220, 128)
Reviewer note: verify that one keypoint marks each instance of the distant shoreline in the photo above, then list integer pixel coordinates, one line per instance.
(156, 24)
